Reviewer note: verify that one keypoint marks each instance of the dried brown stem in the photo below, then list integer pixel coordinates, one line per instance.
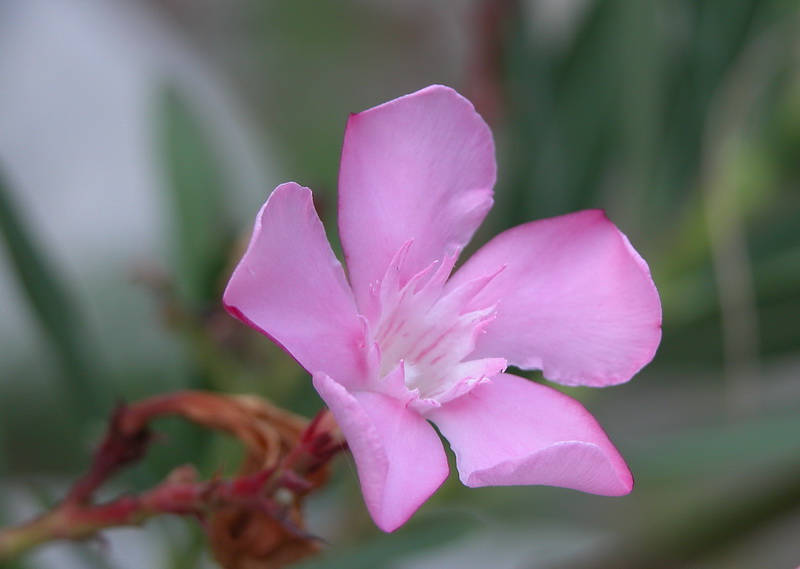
(284, 453)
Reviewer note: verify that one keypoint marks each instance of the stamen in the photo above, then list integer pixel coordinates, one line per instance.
(430, 333)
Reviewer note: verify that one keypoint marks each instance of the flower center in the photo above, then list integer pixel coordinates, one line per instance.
(431, 332)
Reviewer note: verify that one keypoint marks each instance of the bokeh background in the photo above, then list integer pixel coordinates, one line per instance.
(138, 139)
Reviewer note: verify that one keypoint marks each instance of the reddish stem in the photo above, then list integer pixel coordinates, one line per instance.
(126, 442)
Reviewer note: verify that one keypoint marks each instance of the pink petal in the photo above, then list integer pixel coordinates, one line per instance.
(399, 456)
(513, 431)
(418, 168)
(573, 299)
(290, 286)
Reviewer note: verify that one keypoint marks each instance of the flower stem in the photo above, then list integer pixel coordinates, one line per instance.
(68, 521)
(293, 464)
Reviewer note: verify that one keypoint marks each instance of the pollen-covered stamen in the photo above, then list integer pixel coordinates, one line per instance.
(430, 332)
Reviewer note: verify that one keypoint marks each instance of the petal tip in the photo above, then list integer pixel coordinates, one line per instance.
(571, 464)
(398, 455)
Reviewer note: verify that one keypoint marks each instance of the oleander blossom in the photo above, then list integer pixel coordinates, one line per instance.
(400, 342)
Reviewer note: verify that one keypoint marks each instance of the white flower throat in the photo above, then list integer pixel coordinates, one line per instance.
(428, 331)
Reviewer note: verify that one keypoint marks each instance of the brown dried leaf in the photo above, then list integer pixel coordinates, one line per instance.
(247, 537)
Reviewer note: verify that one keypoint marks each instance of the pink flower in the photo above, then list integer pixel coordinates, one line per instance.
(400, 343)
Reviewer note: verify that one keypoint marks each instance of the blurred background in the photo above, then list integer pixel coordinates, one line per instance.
(139, 138)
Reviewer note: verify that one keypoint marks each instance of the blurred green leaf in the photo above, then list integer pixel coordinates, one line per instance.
(203, 235)
(424, 532)
(56, 310)
(695, 453)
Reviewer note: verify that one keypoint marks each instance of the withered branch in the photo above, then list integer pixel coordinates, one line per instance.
(252, 519)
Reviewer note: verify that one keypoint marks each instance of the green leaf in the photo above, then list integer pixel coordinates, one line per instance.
(54, 307)
(202, 235)
(423, 532)
(702, 452)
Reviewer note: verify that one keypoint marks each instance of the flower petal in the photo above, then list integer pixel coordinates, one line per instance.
(573, 299)
(418, 168)
(290, 286)
(398, 454)
(513, 431)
